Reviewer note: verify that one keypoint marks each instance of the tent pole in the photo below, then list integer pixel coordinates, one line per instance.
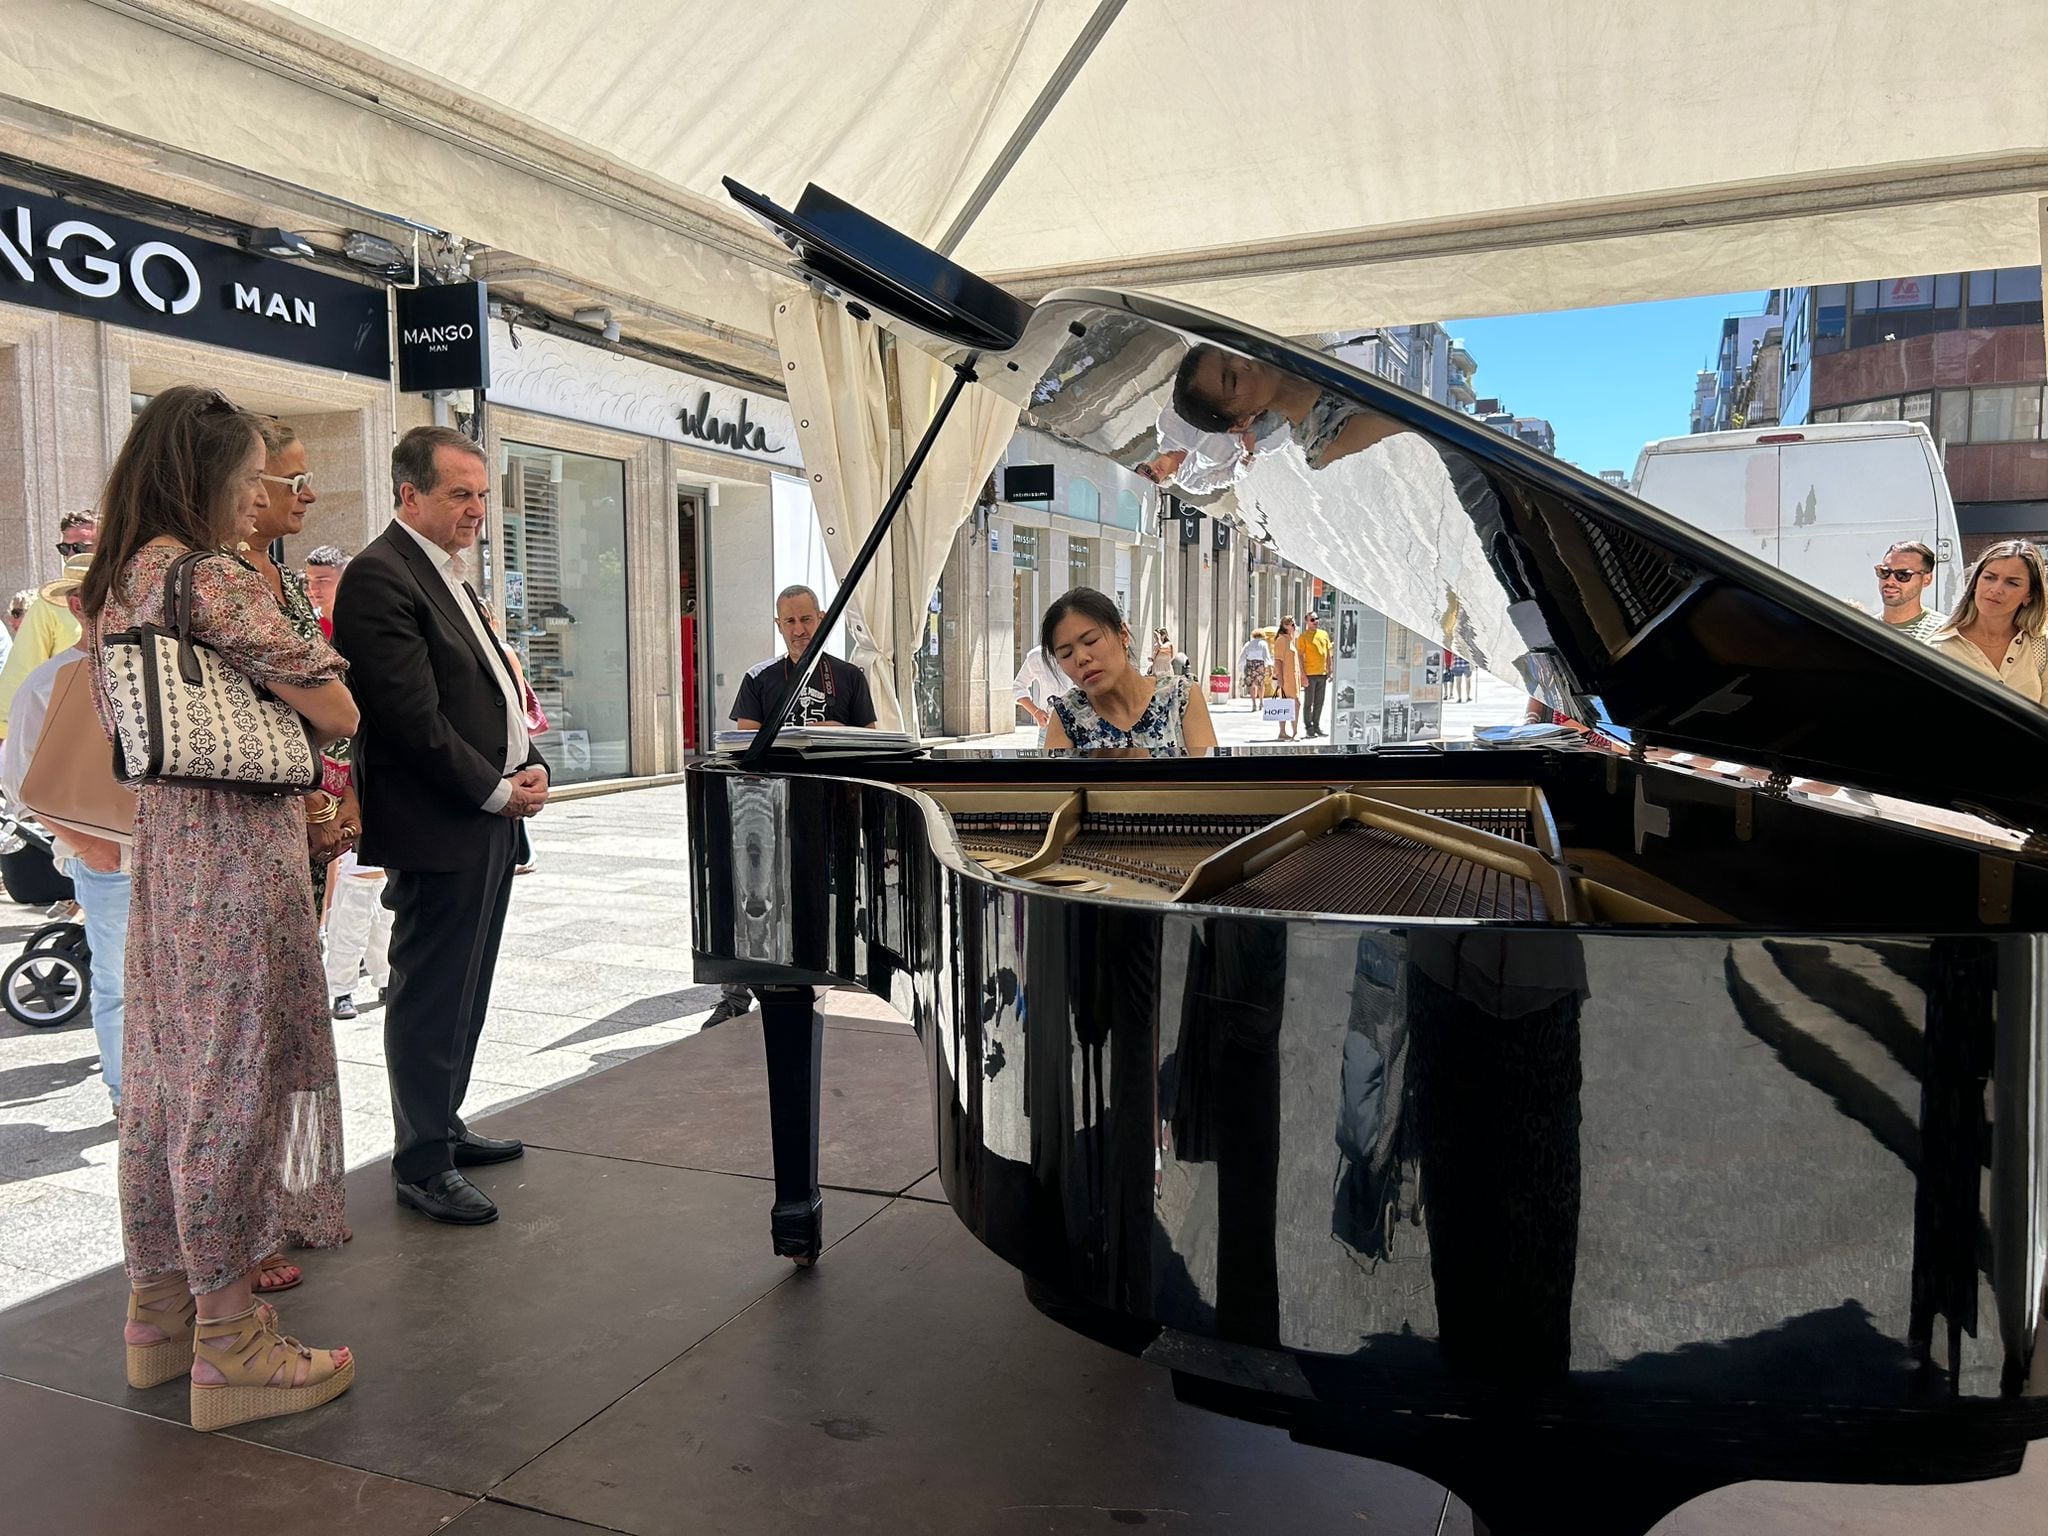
(1106, 11)
(764, 739)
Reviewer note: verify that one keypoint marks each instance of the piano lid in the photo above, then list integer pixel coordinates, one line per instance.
(1599, 604)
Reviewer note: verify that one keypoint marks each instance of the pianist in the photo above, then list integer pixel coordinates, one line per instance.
(836, 695)
(1219, 391)
(1114, 706)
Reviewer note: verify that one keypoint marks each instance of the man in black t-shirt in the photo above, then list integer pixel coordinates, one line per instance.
(837, 695)
(838, 692)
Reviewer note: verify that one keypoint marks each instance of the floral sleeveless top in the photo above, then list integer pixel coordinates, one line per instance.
(1158, 726)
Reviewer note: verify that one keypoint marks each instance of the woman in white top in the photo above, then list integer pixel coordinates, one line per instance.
(1998, 626)
(1252, 663)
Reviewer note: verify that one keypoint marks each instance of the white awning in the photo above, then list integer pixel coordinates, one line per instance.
(1302, 165)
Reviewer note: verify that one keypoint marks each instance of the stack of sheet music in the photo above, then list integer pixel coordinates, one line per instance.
(825, 741)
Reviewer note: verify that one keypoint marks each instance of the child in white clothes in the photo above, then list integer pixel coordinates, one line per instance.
(358, 933)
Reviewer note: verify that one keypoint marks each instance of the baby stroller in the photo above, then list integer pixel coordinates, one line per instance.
(50, 982)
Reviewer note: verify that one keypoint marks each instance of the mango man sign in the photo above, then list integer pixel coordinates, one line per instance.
(444, 338)
(58, 256)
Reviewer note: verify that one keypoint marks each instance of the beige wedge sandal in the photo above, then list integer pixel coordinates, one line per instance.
(151, 1365)
(262, 1368)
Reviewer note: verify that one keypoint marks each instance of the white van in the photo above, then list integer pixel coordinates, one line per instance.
(1821, 503)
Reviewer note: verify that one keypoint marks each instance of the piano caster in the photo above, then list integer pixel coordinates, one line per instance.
(798, 1230)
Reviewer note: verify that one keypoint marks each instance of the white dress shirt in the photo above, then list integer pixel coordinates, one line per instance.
(1039, 679)
(517, 744)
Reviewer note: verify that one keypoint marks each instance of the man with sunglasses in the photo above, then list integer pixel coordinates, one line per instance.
(47, 628)
(1903, 576)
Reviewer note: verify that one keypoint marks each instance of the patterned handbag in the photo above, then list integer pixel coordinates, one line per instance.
(185, 715)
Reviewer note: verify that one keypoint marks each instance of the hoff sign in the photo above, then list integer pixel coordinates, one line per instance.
(60, 257)
(444, 338)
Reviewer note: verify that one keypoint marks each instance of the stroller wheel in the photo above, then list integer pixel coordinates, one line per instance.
(66, 936)
(45, 987)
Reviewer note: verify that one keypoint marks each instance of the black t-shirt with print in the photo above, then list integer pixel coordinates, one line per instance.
(838, 694)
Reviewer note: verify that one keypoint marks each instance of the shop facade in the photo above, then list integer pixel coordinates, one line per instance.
(628, 494)
(100, 312)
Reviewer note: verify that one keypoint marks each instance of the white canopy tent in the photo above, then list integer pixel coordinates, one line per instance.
(1302, 165)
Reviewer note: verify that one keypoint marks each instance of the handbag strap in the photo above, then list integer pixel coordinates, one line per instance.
(178, 601)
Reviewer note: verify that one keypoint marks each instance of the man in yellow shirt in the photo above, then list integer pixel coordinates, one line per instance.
(47, 629)
(1314, 648)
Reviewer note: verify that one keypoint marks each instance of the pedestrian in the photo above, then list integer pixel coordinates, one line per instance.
(1113, 705)
(45, 629)
(223, 958)
(447, 777)
(1161, 664)
(97, 867)
(316, 1217)
(1997, 629)
(358, 934)
(1314, 646)
(1287, 674)
(837, 694)
(322, 570)
(1036, 683)
(17, 609)
(1903, 576)
(1254, 661)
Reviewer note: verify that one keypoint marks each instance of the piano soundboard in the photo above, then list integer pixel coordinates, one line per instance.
(1391, 850)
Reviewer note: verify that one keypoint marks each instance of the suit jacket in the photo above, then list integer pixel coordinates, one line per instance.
(431, 746)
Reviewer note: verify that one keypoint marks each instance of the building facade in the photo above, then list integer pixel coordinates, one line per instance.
(623, 482)
(1961, 352)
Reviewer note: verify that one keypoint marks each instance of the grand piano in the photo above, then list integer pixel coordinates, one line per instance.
(1577, 1121)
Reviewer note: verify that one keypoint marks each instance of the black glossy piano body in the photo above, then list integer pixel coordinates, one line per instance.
(1493, 1199)
(1582, 1129)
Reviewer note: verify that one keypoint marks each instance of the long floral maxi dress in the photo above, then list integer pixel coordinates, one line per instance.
(228, 1066)
(315, 1205)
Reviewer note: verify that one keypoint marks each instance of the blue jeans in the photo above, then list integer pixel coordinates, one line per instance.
(105, 900)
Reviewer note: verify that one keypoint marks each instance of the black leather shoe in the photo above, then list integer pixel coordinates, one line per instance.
(472, 1149)
(449, 1197)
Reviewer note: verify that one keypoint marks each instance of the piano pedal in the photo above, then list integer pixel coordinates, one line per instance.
(797, 1228)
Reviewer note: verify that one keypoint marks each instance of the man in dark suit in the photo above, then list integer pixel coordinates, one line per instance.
(446, 775)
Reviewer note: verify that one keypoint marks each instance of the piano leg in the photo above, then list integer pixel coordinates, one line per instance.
(793, 1029)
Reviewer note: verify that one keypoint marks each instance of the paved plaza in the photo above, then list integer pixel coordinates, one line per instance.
(595, 970)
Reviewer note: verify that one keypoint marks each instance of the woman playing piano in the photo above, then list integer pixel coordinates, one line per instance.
(1114, 705)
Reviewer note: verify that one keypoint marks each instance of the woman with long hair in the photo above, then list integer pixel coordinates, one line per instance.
(224, 975)
(1287, 675)
(1112, 703)
(1997, 628)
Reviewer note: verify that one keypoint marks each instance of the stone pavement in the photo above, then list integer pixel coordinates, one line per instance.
(595, 970)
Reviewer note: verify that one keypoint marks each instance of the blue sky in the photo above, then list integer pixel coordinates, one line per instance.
(1609, 379)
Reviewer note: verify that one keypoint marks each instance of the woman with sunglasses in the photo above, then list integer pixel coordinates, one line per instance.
(223, 963)
(1998, 627)
(315, 1212)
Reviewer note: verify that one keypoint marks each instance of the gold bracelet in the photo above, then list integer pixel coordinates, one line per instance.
(321, 818)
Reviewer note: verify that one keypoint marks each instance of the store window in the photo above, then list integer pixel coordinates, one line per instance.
(1872, 410)
(1952, 416)
(1083, 500)
(564, 551)
(1080, 563)
(2008, 415)
(1918, 407)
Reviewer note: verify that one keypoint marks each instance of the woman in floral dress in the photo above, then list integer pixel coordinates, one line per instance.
(316, 1206)
(224, 974)
(1115, 706)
